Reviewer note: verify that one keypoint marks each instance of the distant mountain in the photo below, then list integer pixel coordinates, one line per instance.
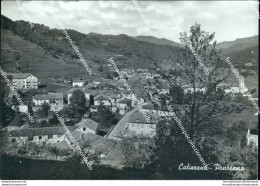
(157, 41)
(95, 48)
(238, 44)
(241, 51)
(240, 58)
(129, 52)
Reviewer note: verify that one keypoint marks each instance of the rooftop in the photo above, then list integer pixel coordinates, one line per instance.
(40, 131)
(101, 97)
(78, 80)
(91, 124)
(139, 117)
(19, 75)
(125, 100)
(48, 96)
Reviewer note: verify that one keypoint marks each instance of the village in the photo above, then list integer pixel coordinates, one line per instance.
(98, 113)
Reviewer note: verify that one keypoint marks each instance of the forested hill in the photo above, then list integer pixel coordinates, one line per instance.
(96, 48)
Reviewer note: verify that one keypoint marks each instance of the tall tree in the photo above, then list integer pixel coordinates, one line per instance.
(44, 110)
(198, 111)
(78, 101)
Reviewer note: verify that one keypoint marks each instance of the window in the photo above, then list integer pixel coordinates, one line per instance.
(142, 125)
(31, 138)
(84, 128)
(133, 124)
(50, 136)
(13, 140)
(40, 137)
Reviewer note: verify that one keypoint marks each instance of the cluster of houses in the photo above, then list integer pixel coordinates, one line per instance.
(106, 93)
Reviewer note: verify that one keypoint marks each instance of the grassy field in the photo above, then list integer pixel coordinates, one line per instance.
(27, 169)
(34, 60)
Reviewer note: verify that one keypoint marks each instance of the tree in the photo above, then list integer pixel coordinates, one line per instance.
(108, 76)
(78, 102)
(201, 109)
(177, 94)
(171, 149)
(44, 110)
(105, 116)
(6, 114)
(133, 149)
(100, 68)
(198, 112)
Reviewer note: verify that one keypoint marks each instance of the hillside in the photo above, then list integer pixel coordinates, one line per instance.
(48, 54)
(157, 41)
(34, 59)
(238, 44)
(95, 48)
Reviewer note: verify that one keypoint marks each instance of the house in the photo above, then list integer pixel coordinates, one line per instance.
(126, 94)
(156, 112)
(139, 126)
(53, 99)
(124, 106)
(102, 100)
(107, 86)
(252, 138)
(248, 64)
(78, 83)
(163, 91)
(156, 75)
(115, 98)
(98, 144)
(191, 90)
(24, 80)
(236, 90)
(87, 126)
(126, 71)
(93, 108)
(38, 135)
(21, 108)
(146, 75)
(141, 70)
(139, 101)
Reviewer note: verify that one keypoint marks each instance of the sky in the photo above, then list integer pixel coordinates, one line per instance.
(228, 19)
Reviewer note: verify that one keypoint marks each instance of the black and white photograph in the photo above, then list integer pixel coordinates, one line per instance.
(129, 90)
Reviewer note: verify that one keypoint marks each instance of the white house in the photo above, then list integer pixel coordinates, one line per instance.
(93, 108)
(20, 108)
(53, 99)
(124, 106)
(157, 112)
(24, 80)
(236, 90)
(101, 99)
(78, 83)
(142, 129)
(252, 138)
(38, 135)
(146, 75)
(163, 91)
(191, 90)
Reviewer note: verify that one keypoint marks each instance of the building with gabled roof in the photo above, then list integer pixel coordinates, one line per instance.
(102, 99)
(24, 80)
(87, 126)
(53, 99)
(38, 135)
(78, 83)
